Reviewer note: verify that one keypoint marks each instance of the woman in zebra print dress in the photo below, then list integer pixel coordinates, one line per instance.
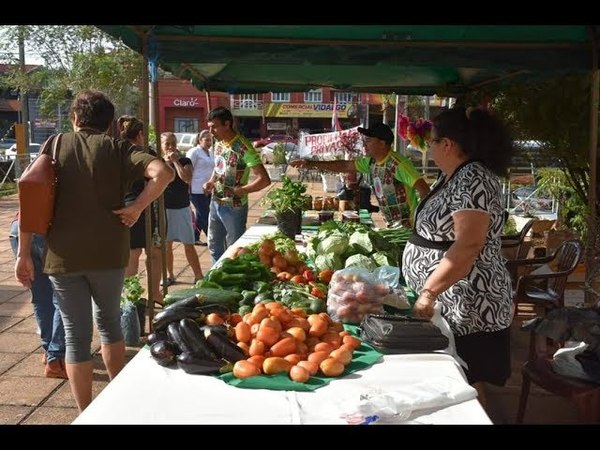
(454, 254)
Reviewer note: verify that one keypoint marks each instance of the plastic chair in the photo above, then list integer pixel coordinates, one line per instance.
(538, 370)
(545, 286)
(512, 245)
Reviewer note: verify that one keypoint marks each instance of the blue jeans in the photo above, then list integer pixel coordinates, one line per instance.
(45, 301)
(201, 204)
(226, 225)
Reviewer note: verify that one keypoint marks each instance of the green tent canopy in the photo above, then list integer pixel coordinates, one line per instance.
(406, 59)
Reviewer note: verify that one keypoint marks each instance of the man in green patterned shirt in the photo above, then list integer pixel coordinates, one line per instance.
(235, 158)
(395, 180)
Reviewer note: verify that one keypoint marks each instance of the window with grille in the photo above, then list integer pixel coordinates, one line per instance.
(313, 96)
(280, 96)
(343, 97)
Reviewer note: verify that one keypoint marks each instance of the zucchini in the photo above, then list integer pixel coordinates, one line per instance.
(223, 347)
(195, 340)
(164, 353)
(166, 316)
(195, 365)
(181, 294)
(175, 337)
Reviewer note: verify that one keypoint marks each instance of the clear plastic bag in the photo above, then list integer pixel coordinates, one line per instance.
(130, 323)
(355, 292)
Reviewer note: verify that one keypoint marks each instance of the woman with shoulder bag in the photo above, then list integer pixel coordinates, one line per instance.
(88, 242)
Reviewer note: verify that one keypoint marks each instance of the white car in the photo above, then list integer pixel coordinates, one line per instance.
(266, 152)
(33, 150)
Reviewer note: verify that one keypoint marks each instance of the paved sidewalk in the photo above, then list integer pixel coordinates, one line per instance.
(27, 397)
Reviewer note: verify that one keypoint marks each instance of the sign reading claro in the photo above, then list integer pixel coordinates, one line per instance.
(189, 102)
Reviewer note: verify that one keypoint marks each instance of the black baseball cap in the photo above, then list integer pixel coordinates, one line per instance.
(379, 131)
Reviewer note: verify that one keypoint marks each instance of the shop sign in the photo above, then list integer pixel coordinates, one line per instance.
(308, 109)
(186, 102)
(329, 146)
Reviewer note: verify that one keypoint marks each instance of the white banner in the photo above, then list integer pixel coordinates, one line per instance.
(345, 144)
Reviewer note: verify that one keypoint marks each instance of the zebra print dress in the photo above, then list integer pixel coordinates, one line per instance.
(481, 301)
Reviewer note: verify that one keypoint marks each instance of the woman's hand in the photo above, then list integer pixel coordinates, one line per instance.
(128, 215)
(424, 306)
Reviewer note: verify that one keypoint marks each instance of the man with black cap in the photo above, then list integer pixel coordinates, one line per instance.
(396, 182)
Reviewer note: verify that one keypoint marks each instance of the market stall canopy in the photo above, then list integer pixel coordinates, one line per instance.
(406, 59)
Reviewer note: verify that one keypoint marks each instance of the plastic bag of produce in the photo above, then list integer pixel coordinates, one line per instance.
(130, 323)
(355, 292)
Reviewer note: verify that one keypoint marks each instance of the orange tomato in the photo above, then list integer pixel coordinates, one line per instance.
(257, 360)
(325, 275)
(257, 347)
(243, 333)
(323, 347)
(352, 341)
(311, 366)
(299, 374)
(284, 347)
(317, 357)
(244, 369)
(214, 319)
(298, 333)
(331, 367)
(298, 279)
(268, 335)
(275, 365)
(342, 355)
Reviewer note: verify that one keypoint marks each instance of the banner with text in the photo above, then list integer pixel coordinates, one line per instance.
(344, 110)
(345, 144)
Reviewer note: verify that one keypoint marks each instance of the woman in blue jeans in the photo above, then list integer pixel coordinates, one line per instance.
(45, 307)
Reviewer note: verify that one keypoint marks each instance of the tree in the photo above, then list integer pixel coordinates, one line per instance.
(76, 57)
(556, 113)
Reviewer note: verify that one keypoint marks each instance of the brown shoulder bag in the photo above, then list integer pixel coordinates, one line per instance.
(37, 190)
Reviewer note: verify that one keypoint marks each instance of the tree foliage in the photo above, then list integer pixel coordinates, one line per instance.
(76, 57)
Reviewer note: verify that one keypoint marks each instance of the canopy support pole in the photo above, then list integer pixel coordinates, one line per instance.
(592, 260)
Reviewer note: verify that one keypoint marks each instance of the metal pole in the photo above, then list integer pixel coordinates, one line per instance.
(396, 116)
(21, 155)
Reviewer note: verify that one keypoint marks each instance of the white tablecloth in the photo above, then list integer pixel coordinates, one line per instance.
(146, 393)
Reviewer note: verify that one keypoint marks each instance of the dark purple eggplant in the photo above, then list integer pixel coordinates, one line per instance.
(216, 328)
(223, 347)
(195, 340)
(189, 302)
(214, 308)
(157, 336)
(166, 316)
(195, 365)
(163, 352)
(175, 336)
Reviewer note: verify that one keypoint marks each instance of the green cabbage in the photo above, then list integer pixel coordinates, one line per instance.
(361, 261)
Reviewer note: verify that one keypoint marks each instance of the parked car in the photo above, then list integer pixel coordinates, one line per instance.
(274, 138)
(32, 150)
(185, 141)
(266, 153)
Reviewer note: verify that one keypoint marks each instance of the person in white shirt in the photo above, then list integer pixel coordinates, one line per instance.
(203, 164)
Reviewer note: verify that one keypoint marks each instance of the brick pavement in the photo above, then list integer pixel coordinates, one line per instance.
(27, 397)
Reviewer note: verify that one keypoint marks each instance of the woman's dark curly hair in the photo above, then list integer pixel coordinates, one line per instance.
(480, 135)
(94, 110)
